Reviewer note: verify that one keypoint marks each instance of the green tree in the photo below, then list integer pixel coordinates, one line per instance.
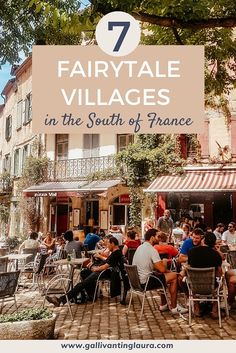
(150, 155)
(27, 22)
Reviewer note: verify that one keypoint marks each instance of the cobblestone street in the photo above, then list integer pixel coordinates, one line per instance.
(107, 319)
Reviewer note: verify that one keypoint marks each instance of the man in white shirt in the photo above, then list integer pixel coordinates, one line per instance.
(229, 236)
(31, 243)
(219, 230)
(147, 260)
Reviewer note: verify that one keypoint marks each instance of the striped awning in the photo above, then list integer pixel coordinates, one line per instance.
(67, 188)
(198, 180)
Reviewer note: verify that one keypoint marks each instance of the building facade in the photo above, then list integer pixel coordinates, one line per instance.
(70, 197)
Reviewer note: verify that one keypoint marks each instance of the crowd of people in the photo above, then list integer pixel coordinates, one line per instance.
(188, 242)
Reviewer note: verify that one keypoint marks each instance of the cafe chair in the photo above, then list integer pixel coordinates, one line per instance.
(36, 269)
(8, 287)
(130, 255)
(201, 283)
(58, 285)
(103, 279)
(32, 252)
(139, 290)
(113, 281)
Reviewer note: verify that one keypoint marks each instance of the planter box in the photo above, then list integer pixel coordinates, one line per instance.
(28, 330)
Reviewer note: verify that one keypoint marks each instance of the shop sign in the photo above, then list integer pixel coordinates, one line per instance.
(124, 198)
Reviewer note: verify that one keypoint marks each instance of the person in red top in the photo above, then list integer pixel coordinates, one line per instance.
(131, 242)
(163, 248)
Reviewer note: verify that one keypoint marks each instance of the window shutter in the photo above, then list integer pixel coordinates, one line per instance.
(19, 114)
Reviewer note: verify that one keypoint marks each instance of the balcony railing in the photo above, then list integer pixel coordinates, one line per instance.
(79, 168)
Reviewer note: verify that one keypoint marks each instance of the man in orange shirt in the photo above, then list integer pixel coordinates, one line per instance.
(164, 248)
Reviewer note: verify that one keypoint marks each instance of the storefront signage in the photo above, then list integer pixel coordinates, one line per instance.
(44, 194)
(124, 198)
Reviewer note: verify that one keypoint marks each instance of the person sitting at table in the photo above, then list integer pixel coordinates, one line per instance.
(116, 232)
(229, 236)
(193, 241)
(164, 248)
(49, 242)
(92, 239)
(131, 242)
(91, 275)
(72, 245)
(30, 243)
(148, 261)
(204, 256)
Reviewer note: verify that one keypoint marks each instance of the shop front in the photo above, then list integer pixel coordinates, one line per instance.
(207, 192)
(69, 205)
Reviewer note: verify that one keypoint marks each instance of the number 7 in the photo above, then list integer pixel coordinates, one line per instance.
(124, 31)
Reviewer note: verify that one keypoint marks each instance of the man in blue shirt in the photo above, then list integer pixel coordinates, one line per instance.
(92, 239)
(190, 243)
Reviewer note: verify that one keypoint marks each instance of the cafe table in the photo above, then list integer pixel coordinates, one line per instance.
(16, 258)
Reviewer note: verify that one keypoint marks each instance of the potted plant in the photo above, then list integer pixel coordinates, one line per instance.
(36, 323)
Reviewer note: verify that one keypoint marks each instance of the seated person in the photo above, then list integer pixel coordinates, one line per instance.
(163, 248)
(147, 260)
(131, 242)
(116, 232)
(72, 245)
(99, 257)
(193, 241)
(186, 231)
(206, 256)
(89, 280)
(31, 243)
(177, 233)
(49, 242)
(92, 239)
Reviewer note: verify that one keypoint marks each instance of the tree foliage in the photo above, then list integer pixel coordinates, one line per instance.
(186, 22)
(189, 22)
(27, 22)
(150, 156)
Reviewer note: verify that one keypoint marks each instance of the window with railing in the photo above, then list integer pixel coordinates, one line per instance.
(123, 140)
(62, 142)
(91, 145)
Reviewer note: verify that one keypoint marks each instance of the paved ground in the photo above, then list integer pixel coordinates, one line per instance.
(107, 319)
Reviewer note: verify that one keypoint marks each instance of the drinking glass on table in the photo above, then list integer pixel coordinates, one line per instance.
(83, 254)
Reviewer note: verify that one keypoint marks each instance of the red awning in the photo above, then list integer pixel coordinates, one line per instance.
(196, 180)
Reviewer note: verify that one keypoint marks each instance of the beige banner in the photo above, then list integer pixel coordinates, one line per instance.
(156, 89)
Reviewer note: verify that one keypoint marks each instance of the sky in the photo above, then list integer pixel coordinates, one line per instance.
(4, 77)
(5, 69)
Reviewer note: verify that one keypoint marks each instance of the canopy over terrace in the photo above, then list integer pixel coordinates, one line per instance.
(68, 188)
(209, 191)
(200, 179)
